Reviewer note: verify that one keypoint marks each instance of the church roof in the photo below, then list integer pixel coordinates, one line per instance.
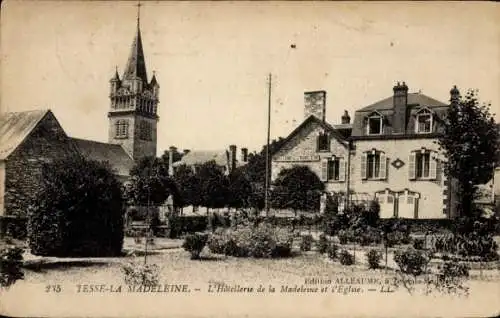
(115, 155)
(15, 127)
(136, 65)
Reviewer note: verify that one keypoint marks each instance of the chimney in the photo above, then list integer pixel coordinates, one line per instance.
(454, 95)
(400, 102)
(172, 149)
(315, 104)
(346, 119)
(244, 154)
(232, 157)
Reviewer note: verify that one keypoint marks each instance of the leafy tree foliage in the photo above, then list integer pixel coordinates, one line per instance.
(177, 156)
(188, 185)
(297, 188)
(150, 182)
(214, 186)
(78, 210)
(256, 166)
(470, 143)
(240, 189)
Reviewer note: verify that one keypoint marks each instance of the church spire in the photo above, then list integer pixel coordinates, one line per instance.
(136, 65)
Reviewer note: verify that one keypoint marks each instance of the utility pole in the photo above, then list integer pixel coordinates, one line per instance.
(267, 147)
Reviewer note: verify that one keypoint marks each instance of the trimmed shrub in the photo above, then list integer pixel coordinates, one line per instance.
(346, 258)
(345, 236)
(187, 224)
(374, 257)
(332, 251)
(322, 244)
(369, 236)
(10, 265)
(78, 210)
(411, 261)
(306, 243)
(194, 243)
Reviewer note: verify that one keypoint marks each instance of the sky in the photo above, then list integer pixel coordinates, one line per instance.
(213, 59)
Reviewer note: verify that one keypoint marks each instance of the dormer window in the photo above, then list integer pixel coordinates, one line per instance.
(323, 142)
(375, 124)
(424, 122)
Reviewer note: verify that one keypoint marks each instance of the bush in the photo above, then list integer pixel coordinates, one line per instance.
(187, 224)
(322, 244)
(466, 245)
(411, 261)
(332, 251)
(346, 258)
(262, 241)
(141, 274)
(10, 265)
(306, 243)
(345, 236)
(419, 243)
(78, 211)
(369, 236)
(194, 243)
(374, 257)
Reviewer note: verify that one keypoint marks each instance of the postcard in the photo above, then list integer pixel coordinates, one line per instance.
(249, 159)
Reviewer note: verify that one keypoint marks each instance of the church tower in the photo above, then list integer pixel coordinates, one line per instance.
(133, 114)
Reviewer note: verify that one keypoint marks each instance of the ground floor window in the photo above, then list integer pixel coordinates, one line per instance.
(400, 204)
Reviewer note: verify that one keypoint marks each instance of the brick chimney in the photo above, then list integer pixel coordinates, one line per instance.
(400, 102)
(315, 104)
(345, 119)
(171, 151)
(232, 157)
(454, 95)
(244, 154)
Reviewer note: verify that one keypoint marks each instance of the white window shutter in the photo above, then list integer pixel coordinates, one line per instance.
(363, 165)
(411, 165)
(324, 169)
(342, 169)
(383, 166)
(432, 166)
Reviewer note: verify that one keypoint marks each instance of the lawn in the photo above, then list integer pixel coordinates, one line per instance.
(177, 268)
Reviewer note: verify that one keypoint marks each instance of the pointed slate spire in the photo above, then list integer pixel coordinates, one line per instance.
(116, 77)
(154, 82)
(136, 66)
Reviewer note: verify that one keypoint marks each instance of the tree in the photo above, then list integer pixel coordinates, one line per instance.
(214, 186)
(240, 189)
(78, 210)
(297, 188)
(470, 144)
(189, 186)
(256, 166)
(150, 183)
(177, 156)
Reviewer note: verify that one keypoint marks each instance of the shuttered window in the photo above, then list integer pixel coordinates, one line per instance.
(423, 165)
(374, 165)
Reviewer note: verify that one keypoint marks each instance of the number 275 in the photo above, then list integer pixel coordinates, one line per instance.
(53, 288)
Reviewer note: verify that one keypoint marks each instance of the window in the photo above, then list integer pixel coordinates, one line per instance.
(333, 169)
(121, 128)
(374, 125)
(423, 165)
(323, 142)
(373, 165)
(424, 122)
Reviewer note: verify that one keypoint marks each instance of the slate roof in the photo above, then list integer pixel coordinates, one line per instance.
(385, 107)
(196, 157)
(413, 99)
(15, 127)
(136, 65)
(115, 155)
